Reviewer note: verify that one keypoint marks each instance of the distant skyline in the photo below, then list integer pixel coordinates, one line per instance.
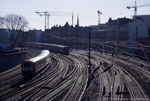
(87, 10)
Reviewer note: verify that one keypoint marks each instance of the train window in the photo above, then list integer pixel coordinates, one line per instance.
(27, 65)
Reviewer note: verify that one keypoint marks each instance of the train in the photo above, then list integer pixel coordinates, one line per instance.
(52, 47)
(34, 65)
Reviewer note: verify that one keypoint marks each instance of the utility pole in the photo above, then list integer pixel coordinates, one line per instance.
(99, 13)
(135, 9)
(89, 51)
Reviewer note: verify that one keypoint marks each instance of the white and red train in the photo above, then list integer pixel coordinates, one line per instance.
(34, 65)
(52, 47)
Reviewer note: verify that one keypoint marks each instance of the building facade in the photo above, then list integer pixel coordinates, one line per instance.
(30, 36)
(125, 29)
(4, 37)
(139, 28)
(117, 30)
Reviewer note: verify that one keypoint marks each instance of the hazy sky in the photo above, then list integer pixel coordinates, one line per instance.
(87, 10)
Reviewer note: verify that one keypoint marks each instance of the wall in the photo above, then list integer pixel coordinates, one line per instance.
(38, 34)
(4, 37)
(137, 29)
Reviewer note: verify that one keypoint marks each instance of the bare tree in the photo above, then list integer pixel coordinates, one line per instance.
(15, 25)
(1, 22)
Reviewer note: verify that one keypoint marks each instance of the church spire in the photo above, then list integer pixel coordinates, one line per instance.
(78, 19)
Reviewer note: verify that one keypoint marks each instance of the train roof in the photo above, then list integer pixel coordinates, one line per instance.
(62, 46)
(43, 54)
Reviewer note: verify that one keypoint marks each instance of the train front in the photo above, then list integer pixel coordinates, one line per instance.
(28, 68)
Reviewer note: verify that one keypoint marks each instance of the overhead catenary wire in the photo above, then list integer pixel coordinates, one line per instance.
(16, 23)
(47, 14)
(24, 17)
(107, 44)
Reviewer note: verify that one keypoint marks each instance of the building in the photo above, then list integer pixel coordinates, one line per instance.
(99, 31)
(125, 29)
(31, 36)
(68, 30)
(117, 30)
(4, 37)
(139, 28)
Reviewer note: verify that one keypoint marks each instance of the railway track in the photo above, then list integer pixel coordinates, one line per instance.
(90, 84)
(13, 71)
(67, 79)
(47, 82)
(139, 72)
(66, 89)
(129, 78)
(119, 81)
(10, 80)
(78, 90)
(49, 86)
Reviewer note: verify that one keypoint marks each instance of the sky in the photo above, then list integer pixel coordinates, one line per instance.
(87, 10)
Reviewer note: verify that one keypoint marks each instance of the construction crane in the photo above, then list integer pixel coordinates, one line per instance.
(46, 14)
(136, 6)
(99, 13)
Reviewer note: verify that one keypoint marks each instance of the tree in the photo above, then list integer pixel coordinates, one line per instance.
(1, 20)
(15, 25)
